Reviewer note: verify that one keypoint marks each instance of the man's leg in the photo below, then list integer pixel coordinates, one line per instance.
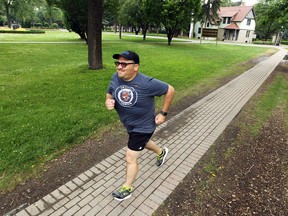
(131, 166)
(151, 145)
(161, 153)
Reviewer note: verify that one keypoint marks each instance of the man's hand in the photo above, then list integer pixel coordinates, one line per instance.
(159, 119)
(110, 103)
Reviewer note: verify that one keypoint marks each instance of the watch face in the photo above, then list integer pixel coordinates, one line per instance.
(164, 113)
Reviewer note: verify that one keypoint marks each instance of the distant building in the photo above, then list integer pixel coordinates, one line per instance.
(236, 24)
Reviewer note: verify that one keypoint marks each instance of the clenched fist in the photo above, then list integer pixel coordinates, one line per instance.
(110, 103)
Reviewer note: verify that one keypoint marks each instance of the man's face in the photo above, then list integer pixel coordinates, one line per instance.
(128, 71)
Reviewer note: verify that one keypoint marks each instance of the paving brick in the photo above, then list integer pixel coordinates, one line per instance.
(41, 205)
(60, 211)
(117, 211)
(89, 184)
(22, 213)
(128, 211)
(165, 190)
(138, 213)
(95, 202)
(75, 193)
(71, 211)
(85, 201)
(101, 167)
(95, 170)
(83, 211)
(60, 203)
(104, 202)
(78, 181)
(106, 210)
(89, 173)
(49, 199)
(64, 190)
(32, 210)
(72, 202)
(47, 212)
(83, 177)
(94, 211)
(151, 203)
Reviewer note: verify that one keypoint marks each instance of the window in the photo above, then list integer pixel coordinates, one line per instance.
(247, 34)
(228, 20)
(248, 22)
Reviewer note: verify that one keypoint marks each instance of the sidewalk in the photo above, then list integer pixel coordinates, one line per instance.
(201, 124)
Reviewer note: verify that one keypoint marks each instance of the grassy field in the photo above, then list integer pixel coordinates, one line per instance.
(50, 101)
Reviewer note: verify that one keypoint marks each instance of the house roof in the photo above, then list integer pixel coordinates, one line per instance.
(238, 13)
(232, 26)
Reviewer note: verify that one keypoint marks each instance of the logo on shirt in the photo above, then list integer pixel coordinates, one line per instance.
(126, 95)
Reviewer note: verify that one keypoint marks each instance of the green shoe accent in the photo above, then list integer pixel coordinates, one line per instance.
(124, 193)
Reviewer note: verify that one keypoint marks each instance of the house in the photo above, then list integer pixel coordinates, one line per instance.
(236, 24)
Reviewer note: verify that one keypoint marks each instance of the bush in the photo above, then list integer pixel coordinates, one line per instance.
(55, 26)
(23, 32)
(38, 25)
(263, 42)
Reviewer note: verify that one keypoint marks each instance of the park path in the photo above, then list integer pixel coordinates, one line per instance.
(187, 135)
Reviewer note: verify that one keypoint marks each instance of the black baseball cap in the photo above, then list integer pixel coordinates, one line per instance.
(129, 55)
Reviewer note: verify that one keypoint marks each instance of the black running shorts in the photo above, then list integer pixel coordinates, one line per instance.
(138, 141)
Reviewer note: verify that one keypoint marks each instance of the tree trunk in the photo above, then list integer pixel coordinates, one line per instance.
(94, 36)
(120, 31)
(7, 9)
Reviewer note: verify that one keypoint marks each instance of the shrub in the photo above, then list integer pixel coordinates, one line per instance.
(23, 32)
(55, 26)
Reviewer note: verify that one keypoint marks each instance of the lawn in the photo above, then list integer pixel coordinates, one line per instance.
(50, 101)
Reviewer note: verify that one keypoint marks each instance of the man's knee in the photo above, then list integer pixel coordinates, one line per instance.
(131, 156)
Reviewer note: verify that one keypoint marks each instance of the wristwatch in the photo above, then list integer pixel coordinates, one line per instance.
(163, 113)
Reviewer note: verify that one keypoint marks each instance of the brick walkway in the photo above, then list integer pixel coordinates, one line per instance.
(200, 126)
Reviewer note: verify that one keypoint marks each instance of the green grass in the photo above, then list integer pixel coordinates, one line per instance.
(275, 97)
(50, 101)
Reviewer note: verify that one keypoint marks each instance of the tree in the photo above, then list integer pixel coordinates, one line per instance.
(226, 3)
(151, 15)
(19, 11)
(111, 12)
(210, 11)
(51, 11)
(7, 5)
(95, 13)
(75, 15)
(271, 15)
(131, 15)
(177, 14)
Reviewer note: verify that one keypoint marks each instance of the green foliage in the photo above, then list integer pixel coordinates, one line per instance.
(176, 15)
(55, 26)
(32, 31)
(111, 12)
(210, 11)
(75, 15)
(271, 15)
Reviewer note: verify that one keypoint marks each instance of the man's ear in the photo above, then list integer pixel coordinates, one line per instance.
(136, 67)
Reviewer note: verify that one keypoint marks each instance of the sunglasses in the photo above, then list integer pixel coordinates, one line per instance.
(123, 64)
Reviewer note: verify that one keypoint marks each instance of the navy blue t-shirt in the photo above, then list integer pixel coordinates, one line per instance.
(134, 101)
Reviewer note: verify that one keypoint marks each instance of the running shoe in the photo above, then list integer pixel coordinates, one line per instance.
(123, 193)
(161, 158)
